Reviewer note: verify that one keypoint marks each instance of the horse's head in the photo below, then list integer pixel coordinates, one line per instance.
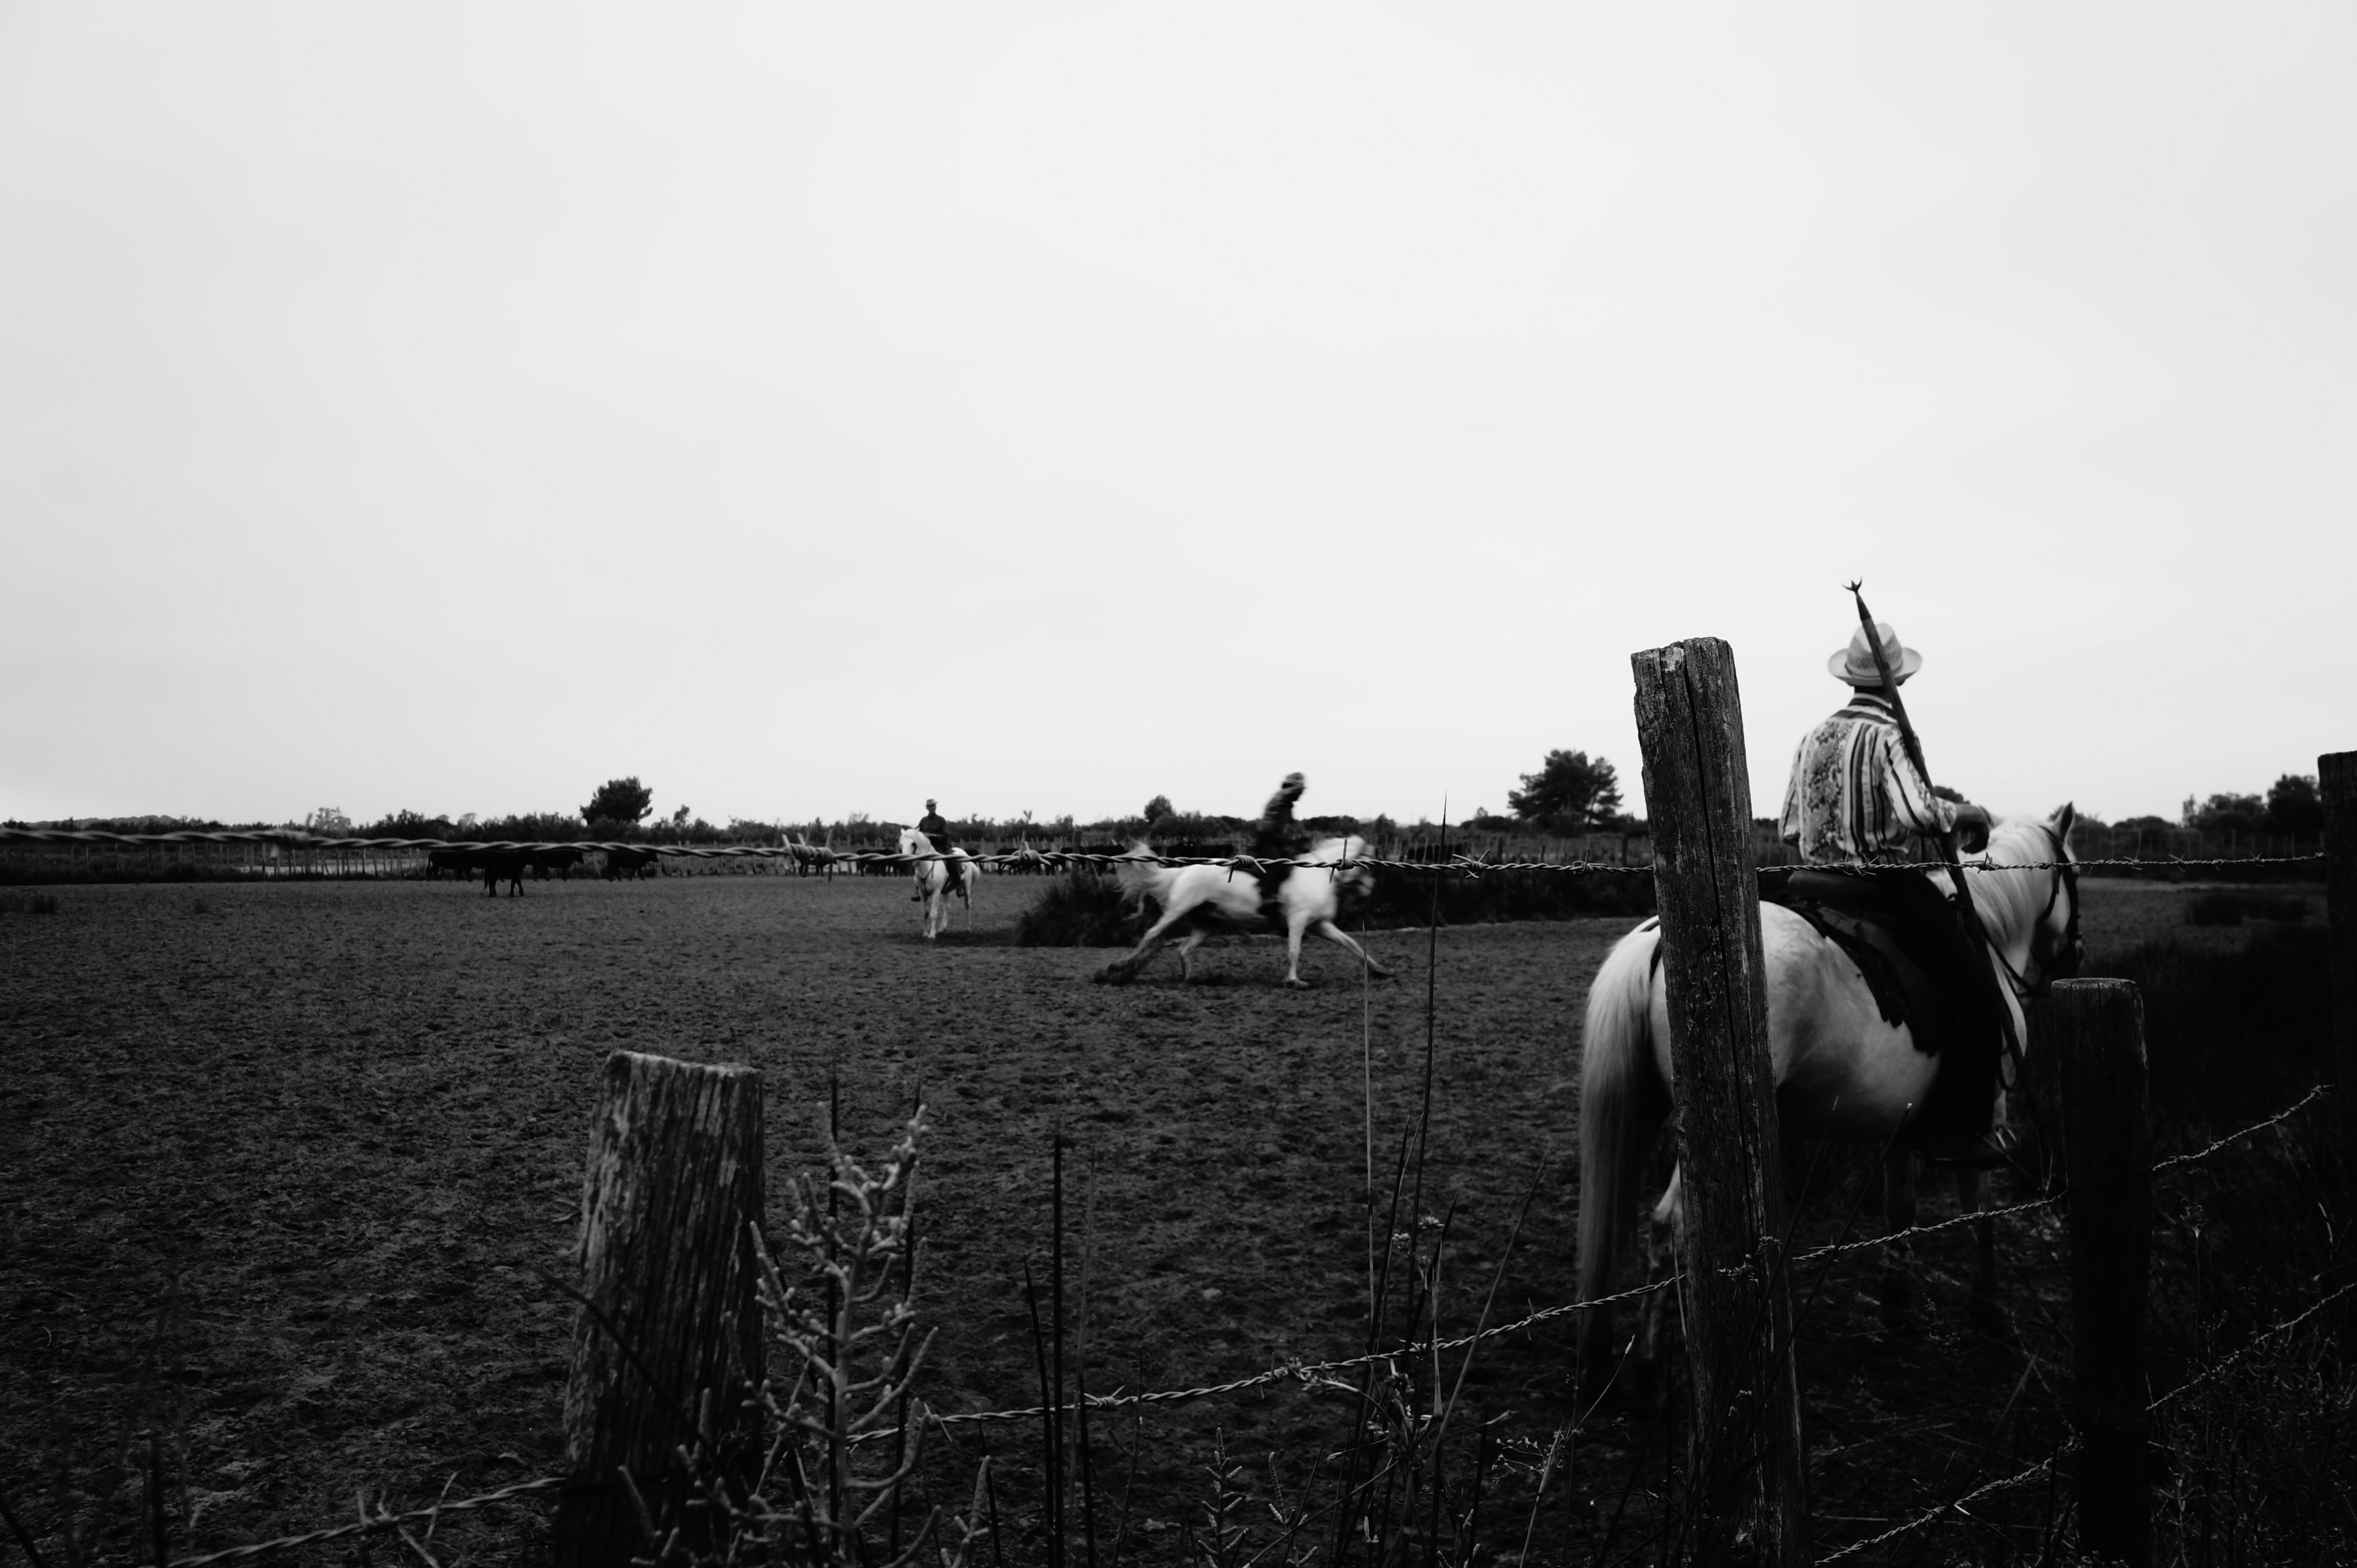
(913, 842)
(2055, 946)
(1347, 846)
(2038, 908)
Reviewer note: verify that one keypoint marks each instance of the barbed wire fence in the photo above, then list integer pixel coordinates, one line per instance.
(1304, 1373)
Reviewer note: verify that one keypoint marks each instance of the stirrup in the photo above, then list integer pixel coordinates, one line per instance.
(1993, 1150)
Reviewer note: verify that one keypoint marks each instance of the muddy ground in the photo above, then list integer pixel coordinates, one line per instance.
(278, 1163)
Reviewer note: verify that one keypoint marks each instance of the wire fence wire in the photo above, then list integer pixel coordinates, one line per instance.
(1308, 1372)
(1461, 864)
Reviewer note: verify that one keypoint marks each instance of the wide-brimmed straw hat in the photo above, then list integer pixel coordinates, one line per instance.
(1854, 663)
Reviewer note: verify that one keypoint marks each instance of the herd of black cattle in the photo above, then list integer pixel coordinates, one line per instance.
(509, 865)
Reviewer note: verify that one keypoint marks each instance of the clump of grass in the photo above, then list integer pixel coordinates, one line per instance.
(845, 1434)
(2224, 907)
(1081, 908)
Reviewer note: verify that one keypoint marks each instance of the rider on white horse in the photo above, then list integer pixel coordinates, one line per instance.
(937, 833)
(1858, 801)
(1275, 842)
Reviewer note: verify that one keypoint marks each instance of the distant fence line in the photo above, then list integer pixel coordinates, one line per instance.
(290, 852)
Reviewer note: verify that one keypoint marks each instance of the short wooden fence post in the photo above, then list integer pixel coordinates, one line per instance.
(2093, 1030)
(1747, 1460)
(2336, 779)
(671, 1334)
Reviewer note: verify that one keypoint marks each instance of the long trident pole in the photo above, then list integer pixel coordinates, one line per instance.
(1947, 836)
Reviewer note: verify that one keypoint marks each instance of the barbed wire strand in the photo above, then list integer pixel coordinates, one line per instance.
(382, 1522)
(2248, 1345)
(820, 855)
(1297, 1371)
(2304, 1101)
(1956, 1505)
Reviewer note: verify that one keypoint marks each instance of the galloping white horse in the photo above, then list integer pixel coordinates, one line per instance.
(1842, 1073)
(933, 881)
(1203, 901)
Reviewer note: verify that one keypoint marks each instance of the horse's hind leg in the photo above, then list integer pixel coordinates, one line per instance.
(1654, 1319)
(1195, 938)
(1987, 1313)
(1897, 1289)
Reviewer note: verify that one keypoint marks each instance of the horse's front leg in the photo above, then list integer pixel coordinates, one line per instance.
(1292, 953)
(1334, 933)
(1897, 1289)
(1122, 971)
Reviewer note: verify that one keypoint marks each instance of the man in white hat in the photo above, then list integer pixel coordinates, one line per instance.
(1856, 800)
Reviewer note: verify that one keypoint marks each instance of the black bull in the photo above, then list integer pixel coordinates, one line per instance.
(498, 865)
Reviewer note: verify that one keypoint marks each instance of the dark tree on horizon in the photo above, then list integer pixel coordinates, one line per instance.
(1568, 786)
(624, 800)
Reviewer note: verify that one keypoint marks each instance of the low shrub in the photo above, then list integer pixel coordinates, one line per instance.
(1084, 908)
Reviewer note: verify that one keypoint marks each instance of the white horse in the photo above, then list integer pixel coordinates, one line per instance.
(1199, 902)
(1842, 1073)
(933, 881)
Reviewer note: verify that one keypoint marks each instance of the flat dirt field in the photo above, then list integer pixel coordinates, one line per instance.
(278, 1163)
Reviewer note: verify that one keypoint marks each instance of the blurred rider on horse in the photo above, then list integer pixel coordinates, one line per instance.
(1858, 801)
(1276, 841)
(937, 834)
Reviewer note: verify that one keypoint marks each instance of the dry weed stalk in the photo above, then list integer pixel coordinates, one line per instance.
(843, 1433)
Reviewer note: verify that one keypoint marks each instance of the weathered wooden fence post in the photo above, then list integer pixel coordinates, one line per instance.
(2336, 779)
(1749, 1468)
(2093, 1030)
(674, 1179)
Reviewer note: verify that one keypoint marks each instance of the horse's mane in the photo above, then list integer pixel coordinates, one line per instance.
(2016, 840)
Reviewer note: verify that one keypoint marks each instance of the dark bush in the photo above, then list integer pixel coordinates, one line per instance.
(2229, 908)
(1081, 908)
(2232, 1036)
(1405, 897)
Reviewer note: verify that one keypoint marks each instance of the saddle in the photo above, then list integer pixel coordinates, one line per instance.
(1907, 942)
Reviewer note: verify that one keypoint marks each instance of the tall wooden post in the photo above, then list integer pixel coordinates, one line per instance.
(2336, 779)
(2094, 1031)
(674, 1181)
(1749, 1501)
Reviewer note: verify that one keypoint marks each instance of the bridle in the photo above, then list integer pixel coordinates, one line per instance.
(2053, 966)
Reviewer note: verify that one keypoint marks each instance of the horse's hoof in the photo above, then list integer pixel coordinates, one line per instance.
(1990, 1320)
(1379, 972)
(1293, 983)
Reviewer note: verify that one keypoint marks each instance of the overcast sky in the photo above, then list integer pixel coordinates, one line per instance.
(809, 410)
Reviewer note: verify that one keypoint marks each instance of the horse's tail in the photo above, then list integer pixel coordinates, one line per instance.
(1622, 1104)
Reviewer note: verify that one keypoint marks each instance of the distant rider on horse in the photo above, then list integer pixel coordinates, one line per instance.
(1276, 841)
(1858, 801)
(937, 834)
